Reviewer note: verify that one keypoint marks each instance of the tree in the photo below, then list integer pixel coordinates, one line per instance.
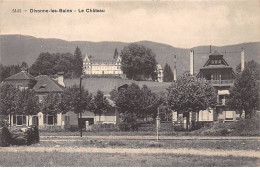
(44, 65)
(78, 63)
(8, 99)
(244, 95)
(24, 65)
(253, 67)
(75, 100)
(138, 62)
(7, 71)
(100, 104)
(191, 94)
(16, 102)
(27, 103)
(115, 53)
(150, 103)
(52, 63)
(50, 105)
(129, 102)
(167, 73)
(135, 103)
(113, 94)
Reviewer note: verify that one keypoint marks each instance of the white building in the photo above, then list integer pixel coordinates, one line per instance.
(159, 70)
(100, 67)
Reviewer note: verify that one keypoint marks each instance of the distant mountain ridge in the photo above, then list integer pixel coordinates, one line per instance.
(14, 49)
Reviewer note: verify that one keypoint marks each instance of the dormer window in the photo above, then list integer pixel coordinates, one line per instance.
(43, 86)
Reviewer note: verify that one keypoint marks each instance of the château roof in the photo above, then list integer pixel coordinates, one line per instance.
(101, 61)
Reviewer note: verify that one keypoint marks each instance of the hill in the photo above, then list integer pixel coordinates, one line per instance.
(17, 48)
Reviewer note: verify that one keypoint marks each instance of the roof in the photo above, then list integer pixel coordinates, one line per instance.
(102, 61)
(216, 66)
(99, 61)
(46, 84)
(159, 67)
(23, 75)
(215, 53)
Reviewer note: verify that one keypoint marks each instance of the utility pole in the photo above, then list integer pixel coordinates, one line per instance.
(80, 79)
(157, 124)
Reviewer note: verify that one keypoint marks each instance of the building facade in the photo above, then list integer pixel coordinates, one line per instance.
(159, 71)
(217, 71)
(102, 67)
(43, 85)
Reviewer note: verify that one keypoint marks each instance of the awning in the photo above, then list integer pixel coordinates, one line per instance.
(223, 92)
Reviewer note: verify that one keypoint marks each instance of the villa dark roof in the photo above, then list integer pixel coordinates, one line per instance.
(215, 53)
(216, 66)
(46, 84)
(23, 75)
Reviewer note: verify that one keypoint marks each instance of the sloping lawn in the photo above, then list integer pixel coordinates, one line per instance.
(107, 84)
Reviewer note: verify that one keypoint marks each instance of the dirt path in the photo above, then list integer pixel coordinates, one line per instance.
(181, 151)
(153, 137)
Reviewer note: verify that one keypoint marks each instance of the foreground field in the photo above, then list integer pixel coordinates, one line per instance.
(32, 159)
(114, 142)
(99, 151)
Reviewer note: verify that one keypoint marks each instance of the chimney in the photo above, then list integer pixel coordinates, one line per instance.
(60, 78)
(242, 59)
(210, 49)
(175, 69)
(191, 62)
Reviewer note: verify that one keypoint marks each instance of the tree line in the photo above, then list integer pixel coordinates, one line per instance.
(138, 63)
(52, 63)
(186, 94)
(25, 102)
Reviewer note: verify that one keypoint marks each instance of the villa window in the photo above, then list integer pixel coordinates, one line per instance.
(50, 119)
(19, 120)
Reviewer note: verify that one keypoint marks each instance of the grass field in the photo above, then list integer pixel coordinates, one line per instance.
(169, 144)
(69, 151)
(32, 159)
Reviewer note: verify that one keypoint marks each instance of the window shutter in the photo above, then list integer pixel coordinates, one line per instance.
(14, 119)
(24, 120)
(44, 119)
(55, 119)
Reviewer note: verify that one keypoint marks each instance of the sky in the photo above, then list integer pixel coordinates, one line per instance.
(179, 23)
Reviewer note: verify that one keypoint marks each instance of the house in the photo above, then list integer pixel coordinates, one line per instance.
(221, 75)
(218, 72)
(102, 67)
(89, 118)
(42, 85)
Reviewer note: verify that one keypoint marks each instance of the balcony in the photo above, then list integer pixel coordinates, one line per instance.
(221, 82)
(222, 102)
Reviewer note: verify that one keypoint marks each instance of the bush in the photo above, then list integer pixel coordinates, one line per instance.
(129, 126)
(32, 135)
(25, 137)
(5, 137)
